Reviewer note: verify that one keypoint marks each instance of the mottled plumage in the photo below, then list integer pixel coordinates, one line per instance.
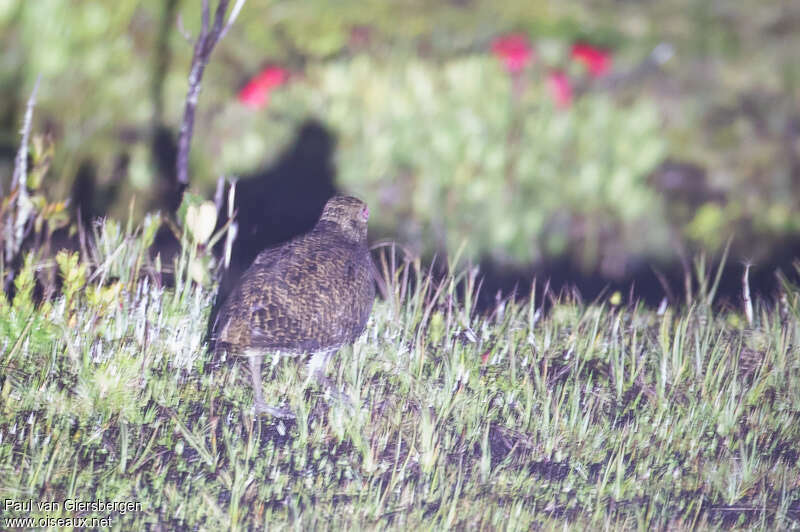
(312, 294)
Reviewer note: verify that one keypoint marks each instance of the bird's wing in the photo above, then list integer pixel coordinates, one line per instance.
(276, 308)
(301, 296)
(233, 324)
(270, 256)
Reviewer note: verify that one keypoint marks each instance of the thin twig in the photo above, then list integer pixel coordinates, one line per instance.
(664, 283)
(232, 17)
(14, 234)
(748, 303)
(182, 29)
(233, 229)
(218, 194)
(206, 41)
(21, 160)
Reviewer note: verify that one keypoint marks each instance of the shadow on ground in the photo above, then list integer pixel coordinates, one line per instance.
(643, 283)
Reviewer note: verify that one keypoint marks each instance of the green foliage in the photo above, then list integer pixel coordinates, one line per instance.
(24, 283)
(450, 152)
(122, 252)
(24, 325)
(73, 274)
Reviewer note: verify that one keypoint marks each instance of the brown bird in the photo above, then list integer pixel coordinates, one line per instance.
(312, 294)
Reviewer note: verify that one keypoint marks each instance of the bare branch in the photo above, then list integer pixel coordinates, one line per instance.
(204, 45)
(205, 16)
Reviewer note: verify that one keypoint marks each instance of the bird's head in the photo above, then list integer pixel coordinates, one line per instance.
(350, 214)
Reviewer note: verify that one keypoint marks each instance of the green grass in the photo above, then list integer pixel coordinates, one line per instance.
(589, 415)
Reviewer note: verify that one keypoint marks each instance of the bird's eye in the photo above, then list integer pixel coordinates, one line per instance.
(365, 213)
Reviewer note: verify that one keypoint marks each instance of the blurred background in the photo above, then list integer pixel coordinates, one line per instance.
(595, 143)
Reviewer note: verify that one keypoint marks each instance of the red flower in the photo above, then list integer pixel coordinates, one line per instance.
(255, 94)
(514, 50)
(560, 88)
(596, 60)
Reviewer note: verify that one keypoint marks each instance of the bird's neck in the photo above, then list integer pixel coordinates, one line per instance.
(354, 235)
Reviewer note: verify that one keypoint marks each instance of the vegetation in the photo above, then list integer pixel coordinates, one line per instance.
(546, 411)
(510, 172)
(593, 414)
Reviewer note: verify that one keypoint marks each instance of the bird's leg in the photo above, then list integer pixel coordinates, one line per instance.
(316, 371)
(317, 365)
(255, 370)
(260, 406)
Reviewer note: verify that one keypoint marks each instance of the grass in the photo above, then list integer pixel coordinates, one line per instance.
(588, 415)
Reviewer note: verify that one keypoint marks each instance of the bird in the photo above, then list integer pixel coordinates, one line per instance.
(310, 295)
